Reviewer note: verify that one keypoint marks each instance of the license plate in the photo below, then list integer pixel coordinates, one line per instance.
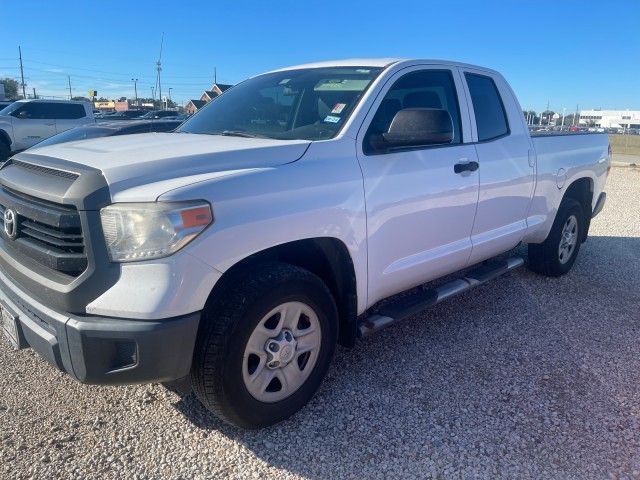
(10, 327)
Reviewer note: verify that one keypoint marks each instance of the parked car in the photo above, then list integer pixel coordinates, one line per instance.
(27, 122)
(124, 115)
(233, 254)
(5, 103)
(110, 129)
(155, 114)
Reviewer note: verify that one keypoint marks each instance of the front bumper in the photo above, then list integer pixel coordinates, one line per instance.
(103, 350)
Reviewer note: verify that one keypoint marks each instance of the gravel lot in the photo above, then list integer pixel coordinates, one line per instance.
(526, 377)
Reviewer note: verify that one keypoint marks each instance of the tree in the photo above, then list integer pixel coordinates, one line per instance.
(81, 99)
(10, 87)
(122, 99)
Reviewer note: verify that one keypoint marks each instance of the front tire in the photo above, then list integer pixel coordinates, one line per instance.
(265, 345)
(557, 254)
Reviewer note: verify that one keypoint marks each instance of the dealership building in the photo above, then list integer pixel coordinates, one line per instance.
(610, 118)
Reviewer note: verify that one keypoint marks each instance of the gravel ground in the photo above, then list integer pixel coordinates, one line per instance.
(526, 377)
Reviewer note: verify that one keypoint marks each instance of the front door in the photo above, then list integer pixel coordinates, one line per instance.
(420, 212)
(32, 123)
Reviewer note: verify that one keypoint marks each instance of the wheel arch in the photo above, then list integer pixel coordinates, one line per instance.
(4, 136)
(581, 190)
(326, 257)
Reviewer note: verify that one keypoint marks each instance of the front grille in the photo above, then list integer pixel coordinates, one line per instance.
(46, 232)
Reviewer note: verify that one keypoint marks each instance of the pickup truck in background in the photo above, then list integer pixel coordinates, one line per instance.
(233, 254)
(27, 122)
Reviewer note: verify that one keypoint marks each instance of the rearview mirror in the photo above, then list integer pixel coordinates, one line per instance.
(415, 127)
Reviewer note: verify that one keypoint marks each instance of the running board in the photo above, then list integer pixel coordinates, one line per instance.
(404, 307)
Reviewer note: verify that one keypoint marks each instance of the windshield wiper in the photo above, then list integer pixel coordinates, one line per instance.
(238, 133)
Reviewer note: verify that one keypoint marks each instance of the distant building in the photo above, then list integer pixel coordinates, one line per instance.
(610, 118)
(208, 95)
(194, 105)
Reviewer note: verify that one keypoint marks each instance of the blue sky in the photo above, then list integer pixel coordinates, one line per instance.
(565, 52)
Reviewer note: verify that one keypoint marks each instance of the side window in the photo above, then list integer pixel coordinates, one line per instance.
(67, 111)
(434, 89)
(31, 110)
(47, 110)
(491, 119)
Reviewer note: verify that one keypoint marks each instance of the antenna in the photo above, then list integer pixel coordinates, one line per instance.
(159, 69)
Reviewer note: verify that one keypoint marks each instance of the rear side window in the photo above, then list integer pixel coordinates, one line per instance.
(491, 119)
(68, 111)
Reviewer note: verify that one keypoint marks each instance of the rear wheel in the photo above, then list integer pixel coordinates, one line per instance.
(265, 346)
(556, 255)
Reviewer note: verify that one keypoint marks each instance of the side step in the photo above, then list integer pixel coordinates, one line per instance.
(404, 307)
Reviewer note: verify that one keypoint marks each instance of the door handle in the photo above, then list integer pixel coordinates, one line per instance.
(466, 167)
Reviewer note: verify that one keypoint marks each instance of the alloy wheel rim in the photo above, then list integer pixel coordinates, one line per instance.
(568, 239)
(281, 352)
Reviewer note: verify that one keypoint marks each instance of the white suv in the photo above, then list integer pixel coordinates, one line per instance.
(27, 122)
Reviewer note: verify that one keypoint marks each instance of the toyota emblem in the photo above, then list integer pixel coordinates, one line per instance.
(10, 223)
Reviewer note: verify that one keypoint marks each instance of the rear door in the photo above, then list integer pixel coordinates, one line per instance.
(32, 123)
(419, 210)
(69, 115)
(506, 162)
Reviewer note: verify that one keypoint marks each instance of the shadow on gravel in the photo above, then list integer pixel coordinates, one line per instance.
(526, 376)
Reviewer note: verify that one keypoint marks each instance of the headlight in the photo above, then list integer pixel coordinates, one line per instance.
(142, 231)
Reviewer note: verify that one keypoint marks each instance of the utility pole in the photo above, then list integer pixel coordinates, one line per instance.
(215, 75)
(24, 93)
(159, 67)
(170, 88)
(153, 95)
(34, 93)
(135, 88)
(70, 94)
(563, 112)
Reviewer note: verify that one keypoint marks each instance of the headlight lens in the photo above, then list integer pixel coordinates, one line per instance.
(143, 231)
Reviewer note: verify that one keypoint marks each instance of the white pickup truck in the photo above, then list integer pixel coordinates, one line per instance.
(26, 122)
(237, 251)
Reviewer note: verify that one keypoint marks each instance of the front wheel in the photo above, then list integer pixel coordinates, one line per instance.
(556, 255)
(265, 346)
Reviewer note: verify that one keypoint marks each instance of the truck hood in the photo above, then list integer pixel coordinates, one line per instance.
(170, 160)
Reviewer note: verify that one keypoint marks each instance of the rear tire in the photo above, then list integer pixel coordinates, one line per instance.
(264, 346)
(557, 254)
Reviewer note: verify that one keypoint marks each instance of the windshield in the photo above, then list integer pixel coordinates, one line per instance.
(306, 104)
(79, 133)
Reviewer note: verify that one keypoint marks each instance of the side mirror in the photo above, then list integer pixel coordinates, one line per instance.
(415, 127)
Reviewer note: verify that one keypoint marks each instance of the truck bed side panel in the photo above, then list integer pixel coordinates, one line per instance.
(560, 161)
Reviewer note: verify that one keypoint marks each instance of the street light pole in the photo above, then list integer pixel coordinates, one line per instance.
(170, 88)
(135, 88)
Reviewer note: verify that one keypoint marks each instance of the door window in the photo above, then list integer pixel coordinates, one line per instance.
(67, 111)
(491, 119)
(421, 89)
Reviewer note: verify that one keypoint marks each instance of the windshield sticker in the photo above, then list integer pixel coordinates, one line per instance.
(342, 85)
(338, 107)
(331, 119)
